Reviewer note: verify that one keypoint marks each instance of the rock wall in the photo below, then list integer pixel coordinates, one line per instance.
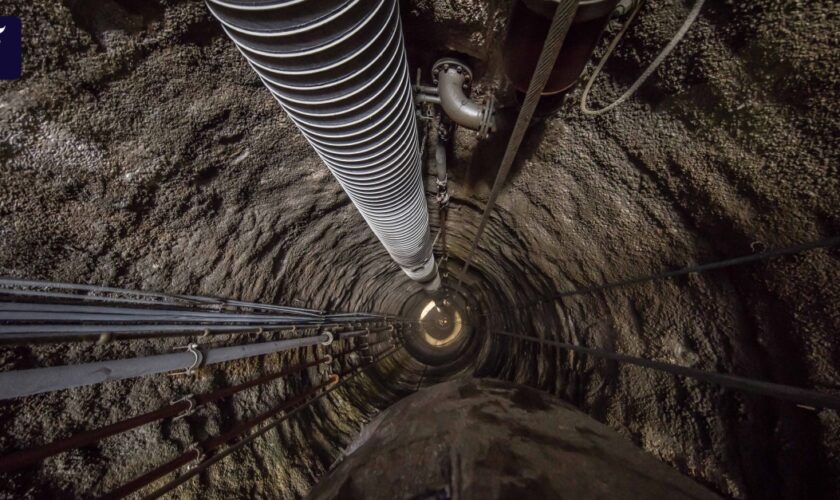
(139, 150)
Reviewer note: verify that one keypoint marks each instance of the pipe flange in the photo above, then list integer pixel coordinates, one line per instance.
(488, 124)
(449, 63)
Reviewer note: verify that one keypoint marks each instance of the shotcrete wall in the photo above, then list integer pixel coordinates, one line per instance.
(139, 150)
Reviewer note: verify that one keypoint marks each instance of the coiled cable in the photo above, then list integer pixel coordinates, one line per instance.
(692, 16)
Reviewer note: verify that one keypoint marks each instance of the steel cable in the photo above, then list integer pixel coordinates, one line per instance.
(700, 268)
(560, 24)
(789, 393)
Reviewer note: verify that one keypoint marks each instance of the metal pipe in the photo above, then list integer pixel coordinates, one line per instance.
(452, 78)
(211, 444)
(174, 483)
(80, 292)
(425, 89)
(31, 319)
(440, 164)
(421, 98)
(19, 383)
(149, 316)
(339, 71)
(16, 334)
(160, 298)
(20, 459)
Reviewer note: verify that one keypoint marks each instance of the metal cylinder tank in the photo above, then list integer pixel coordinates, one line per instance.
(529, 24)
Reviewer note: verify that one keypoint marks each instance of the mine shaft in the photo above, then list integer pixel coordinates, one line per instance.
(419, 249)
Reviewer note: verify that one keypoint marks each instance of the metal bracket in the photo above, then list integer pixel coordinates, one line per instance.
(442, 199)
(487, 121)
(194, 349)
(193, 405)
(330, 339)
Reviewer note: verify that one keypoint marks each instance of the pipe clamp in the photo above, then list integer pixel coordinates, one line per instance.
(329, 339)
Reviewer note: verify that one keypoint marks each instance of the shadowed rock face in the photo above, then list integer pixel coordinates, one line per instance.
(482, 438)
(139, 150)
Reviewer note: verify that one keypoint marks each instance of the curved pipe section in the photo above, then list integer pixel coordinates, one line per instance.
(452, 79)
(338, 69)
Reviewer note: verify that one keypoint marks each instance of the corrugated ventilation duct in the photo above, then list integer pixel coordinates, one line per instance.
(338, 69)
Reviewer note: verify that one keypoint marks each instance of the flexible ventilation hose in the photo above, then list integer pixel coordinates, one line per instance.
(692, 16)
(338, 68)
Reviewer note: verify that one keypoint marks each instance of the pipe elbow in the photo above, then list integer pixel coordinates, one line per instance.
(457, 106)
(452, 79)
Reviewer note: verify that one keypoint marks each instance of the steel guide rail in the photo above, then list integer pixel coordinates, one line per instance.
(242, 441)
(9, 286)
(14, 289)
(36, 311)
(63, 316)
(182, 407)
(209, 445)
(101, 333)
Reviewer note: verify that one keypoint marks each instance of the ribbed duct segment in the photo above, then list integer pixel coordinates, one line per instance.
(338, 69)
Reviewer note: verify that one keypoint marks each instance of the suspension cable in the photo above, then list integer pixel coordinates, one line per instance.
(789, 393)
(692, 16)
(700, 268)
(560, 23)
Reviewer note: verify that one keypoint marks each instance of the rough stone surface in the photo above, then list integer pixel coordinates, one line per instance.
(139, 150)
(482, 438)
